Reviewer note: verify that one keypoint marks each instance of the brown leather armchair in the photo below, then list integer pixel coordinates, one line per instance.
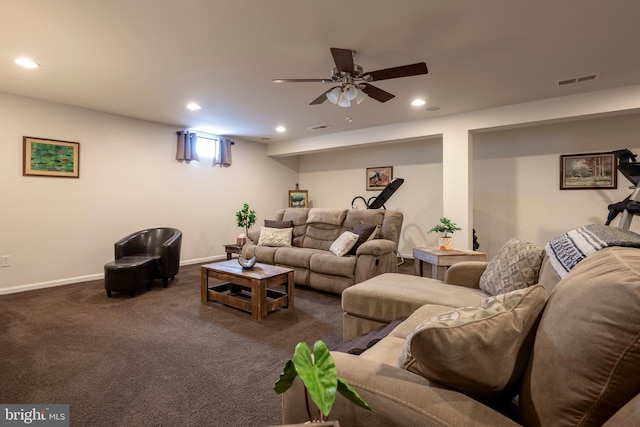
(162, 244)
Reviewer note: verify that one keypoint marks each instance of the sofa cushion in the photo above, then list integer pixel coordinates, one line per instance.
(389, 296)
(585, 363)
(327, 263)
(326, 216)
(320, 236)
(365, 216)
(264, 254)
(299, 218)
(296, 257)
(275, 237)
(481, 351)
(364, 232)
(344, 243)
(515, 266)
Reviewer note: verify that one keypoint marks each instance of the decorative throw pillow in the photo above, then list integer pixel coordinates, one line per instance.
(515, 266)
(363, 231)
(276, 237)
(481, 351)
(342, 244)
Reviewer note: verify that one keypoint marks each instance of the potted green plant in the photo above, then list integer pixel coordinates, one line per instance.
(446, 227)
(245, 217)
(319, 375)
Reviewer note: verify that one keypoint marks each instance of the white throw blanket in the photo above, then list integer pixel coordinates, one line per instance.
(568, 249)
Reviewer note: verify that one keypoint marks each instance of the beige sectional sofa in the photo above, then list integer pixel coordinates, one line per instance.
(568, 349)
(313, 232)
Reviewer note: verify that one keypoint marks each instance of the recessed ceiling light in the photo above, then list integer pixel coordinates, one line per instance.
(418, 102)
(281, 129)
(193, 106)
(26, 62)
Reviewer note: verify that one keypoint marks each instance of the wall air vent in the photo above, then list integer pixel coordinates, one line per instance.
(580, 79)
(318, 127)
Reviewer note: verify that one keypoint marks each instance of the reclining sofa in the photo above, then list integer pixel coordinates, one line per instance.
(557, 352)
(314, 230)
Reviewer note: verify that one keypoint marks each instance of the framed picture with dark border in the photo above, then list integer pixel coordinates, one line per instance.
(298, 198)
(379, 177)
(588, 171)
(50, 157)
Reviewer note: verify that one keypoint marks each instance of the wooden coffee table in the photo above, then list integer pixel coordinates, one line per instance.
(249, 290)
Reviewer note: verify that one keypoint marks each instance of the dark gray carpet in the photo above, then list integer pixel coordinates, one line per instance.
(160, 359)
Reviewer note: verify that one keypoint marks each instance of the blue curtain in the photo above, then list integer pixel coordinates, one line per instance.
(223, 152)
(187, 146)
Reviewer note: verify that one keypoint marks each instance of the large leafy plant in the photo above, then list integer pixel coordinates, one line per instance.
(445, 227)
(319, 375)
(246, 218)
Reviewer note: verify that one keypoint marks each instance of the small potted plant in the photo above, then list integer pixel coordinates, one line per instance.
(319, 375)
(245, 218)
(446, 227)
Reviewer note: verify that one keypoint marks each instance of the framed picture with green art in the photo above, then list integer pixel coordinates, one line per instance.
(49, 157)
(298, 198)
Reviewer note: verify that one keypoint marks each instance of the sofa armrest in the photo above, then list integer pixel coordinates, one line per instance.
(399, 398)
(376, 247)
(466, 273)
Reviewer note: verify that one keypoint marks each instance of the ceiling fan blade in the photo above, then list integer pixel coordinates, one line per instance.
(321, 98)
(302, 81)
(343, 59)
(395, 72)
(377, 93)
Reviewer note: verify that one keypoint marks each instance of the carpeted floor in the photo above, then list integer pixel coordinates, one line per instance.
(160, 359)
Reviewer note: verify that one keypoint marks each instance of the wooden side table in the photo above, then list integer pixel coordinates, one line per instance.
(441, 260)
(232, 249)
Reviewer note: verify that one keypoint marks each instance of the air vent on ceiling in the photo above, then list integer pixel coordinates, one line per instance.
(580, 79)
(318, 127)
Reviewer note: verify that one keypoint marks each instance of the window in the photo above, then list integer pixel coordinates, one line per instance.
(206, 146)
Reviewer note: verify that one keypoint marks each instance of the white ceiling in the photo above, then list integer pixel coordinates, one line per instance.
(148, 58)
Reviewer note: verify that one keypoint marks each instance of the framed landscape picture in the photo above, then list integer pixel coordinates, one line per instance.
(298, 198)
(588, 171)
(379, 177)
(49, 157)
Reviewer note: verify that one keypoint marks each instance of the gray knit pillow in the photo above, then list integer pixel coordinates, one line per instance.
(515, 266)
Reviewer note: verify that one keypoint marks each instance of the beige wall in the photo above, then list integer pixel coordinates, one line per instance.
(60, 230)
(335, 178)
(516, 179)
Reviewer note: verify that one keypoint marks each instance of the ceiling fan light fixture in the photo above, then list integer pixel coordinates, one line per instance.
(334, 95)
(350, 92)
(361, 96)
(344, 101)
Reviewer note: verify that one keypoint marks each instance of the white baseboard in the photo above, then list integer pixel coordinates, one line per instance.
(71, 280)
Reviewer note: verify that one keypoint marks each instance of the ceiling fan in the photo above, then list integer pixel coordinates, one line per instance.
(353, 82)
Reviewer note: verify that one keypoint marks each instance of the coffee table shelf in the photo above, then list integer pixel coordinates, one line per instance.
(249, 290)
